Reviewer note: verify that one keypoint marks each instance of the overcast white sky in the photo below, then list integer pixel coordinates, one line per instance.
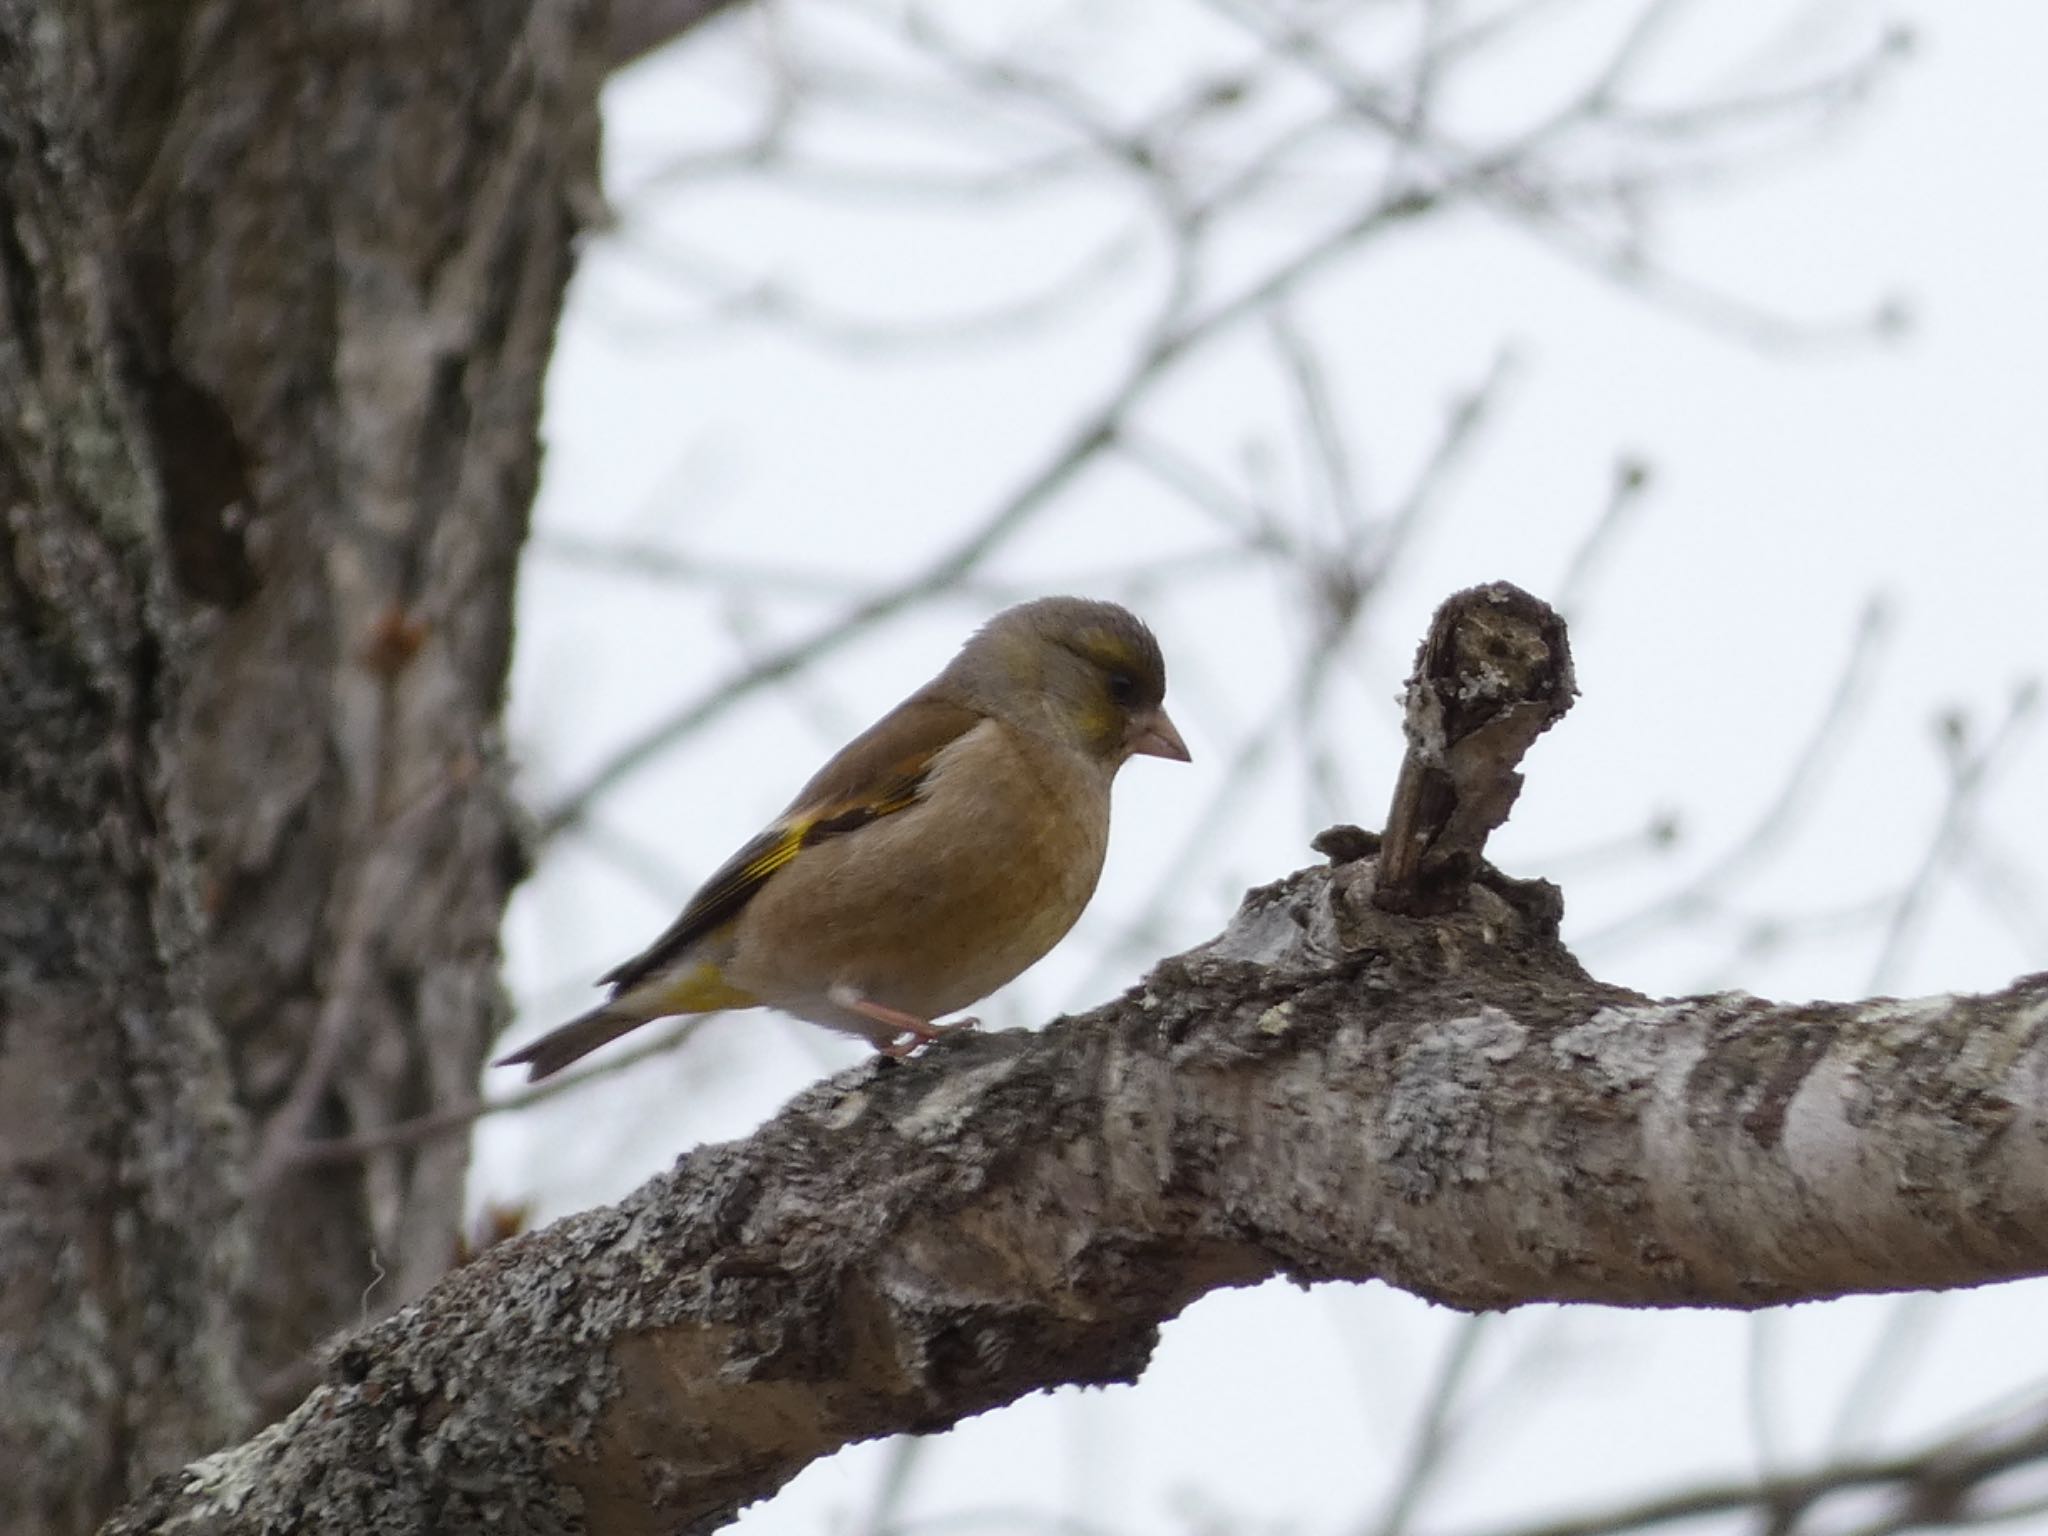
(1791, 485)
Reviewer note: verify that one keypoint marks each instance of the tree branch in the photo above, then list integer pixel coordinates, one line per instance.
(1494, 673)
(1326, 1091)
(638, 27)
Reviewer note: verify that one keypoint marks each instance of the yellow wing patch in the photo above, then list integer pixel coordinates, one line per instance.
(896, 797)
(735, 884)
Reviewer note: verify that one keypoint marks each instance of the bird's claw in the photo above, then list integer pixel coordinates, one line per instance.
(921, 1034)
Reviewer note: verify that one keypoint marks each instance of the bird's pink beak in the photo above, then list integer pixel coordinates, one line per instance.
(1152, 734)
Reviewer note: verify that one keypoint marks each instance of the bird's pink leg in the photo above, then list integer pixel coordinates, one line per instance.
(922, 1032)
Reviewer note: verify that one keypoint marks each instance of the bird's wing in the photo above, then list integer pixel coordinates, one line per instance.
(878, 773)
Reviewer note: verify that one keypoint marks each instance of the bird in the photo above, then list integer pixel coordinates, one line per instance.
(936, 857)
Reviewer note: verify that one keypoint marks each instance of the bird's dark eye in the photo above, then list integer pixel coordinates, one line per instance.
(1123, 689)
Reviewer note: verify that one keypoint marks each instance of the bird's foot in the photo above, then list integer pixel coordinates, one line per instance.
(913, 1041)
(920, 1032)
(923, 1033)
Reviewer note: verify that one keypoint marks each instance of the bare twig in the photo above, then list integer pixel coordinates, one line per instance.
(1760, 1400)
(1899, 1346)
(322, 1152)
(1095, 431)
(1930, 1485)
(1436, 1429)
(1801, 782)
(1624, 498)
(1968, 771)
(1343, 589)
(736, 295)
(2005, 893)
(899, 1466)
(1325, 448)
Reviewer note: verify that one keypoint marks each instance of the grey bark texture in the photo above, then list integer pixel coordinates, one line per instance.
(277, 284)
(279, 287)
(1327, 1091)
(639, 27)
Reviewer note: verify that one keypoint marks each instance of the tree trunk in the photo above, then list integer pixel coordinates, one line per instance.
(279, 286)
(1327, 1091)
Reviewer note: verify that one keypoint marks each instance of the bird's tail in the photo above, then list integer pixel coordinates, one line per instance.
(574, 1040)
(700, 989)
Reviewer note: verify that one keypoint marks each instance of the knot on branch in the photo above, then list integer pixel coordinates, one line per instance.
(1493, 674)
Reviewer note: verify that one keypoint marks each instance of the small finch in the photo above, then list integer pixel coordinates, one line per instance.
(942, 852)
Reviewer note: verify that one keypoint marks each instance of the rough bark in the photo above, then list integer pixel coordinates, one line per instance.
(119, 1138)
(1493, 673)
(638, 27)
(279, 284)
(1327, 1091)
(276, 289)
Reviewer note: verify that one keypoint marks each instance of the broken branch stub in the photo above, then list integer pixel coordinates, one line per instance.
(1493, 674)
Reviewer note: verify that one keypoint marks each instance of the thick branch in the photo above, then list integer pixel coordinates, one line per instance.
(638, 27)
(1326, 1091)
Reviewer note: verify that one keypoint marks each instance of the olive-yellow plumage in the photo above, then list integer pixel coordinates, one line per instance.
(937, 856)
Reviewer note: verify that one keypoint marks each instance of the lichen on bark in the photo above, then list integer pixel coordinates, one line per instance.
(1327, 1092)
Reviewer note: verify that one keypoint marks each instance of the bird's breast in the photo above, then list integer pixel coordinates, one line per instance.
(932, 908)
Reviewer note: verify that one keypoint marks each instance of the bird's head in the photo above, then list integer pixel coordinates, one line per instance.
(1079, 671)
